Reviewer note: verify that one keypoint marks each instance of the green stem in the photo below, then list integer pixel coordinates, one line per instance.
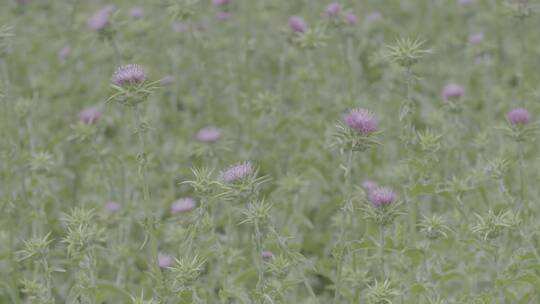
(106, 172)
(381, 250)
(342, 234)
(141, 158)
(461, 209)
(531, 244)
(116, 51)
(258, 237)
(521, 173)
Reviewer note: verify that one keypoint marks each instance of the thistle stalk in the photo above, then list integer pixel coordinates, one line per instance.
(141, 157)
(342, 233)
(381, 249)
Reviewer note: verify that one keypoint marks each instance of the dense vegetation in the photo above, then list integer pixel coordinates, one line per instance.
(284, 151)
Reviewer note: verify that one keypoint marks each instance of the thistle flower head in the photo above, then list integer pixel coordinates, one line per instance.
(493, 224)
(406, 52)
(221, 2)
(209, 135)
(183, 205)
(223, 15)
(297, 24)
(165, 261)
(519, 116)
(64, 53)
(112, 206)
(333, 9)
(381, 196)
(136, 12)
(128, 75)
(100, 19)
(476, 38)
(362, 121)
(374, 17)
(380, 293)
(90, 115)
(434, 227)
(351, 19)
(369, 185)
(452, 91)
(267, 254)
(237, 172)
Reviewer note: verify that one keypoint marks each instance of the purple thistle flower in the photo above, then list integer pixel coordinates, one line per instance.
(374, 17)
(223, 15)
(112, 206)
(128, 74)
(476, 38)
(297, 24)
(369, 185)
(100, 19)
(221, 2)
(333, 9)
(362, 121)
(381, 196)
(183, 205)
(237, 172)
(90, 115)
(165, 261)
(452, 91)
(267, 254)
(64, 53)
(209, 135)
(352, 19)
(519, 116)
(136, 12)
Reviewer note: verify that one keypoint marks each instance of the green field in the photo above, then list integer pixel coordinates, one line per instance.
(269, 151)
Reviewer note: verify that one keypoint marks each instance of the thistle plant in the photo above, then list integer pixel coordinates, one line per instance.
(311, 38)
(41, 162)
(36, 292)
(258, 214)
(434, 227)
(407, 53)
(132, 89)
(382, 208)
(204, 183)
(459, 187)
(84, 237)
(182, 9)
(452, 95)
(37, 250)
(100, 23)
(357, 133)
(430, 144)
(118, 191)
(381, 293)
(520, 129)
(497, 169)
(493, 224)
(240, 182)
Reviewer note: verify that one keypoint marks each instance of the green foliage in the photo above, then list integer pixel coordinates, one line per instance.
(134, 207)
